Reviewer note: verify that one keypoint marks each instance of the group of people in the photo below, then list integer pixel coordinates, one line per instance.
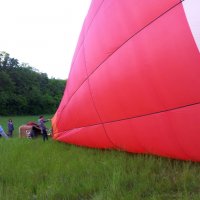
(41, 124)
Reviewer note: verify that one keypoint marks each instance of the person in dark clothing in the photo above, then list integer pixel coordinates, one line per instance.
(10, 128)
(33, 132)
(41, 123)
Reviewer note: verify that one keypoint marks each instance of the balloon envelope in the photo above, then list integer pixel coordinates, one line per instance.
(134, 82)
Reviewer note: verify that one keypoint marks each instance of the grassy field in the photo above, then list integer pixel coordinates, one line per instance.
(33, 169)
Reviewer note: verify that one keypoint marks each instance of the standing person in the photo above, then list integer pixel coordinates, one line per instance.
(2, 133)
(10, 128)
(41, 123)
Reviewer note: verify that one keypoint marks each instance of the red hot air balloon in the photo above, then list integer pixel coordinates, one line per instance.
(134, 82)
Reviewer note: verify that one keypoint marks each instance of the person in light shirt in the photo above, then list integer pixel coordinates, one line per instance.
(41, 123)
(2, 133)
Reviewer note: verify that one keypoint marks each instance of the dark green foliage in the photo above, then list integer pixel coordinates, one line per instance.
(24, 90)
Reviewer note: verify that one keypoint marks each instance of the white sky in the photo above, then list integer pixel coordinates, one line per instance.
(43, 33)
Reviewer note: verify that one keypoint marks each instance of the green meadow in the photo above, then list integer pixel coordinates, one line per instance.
(31, 169)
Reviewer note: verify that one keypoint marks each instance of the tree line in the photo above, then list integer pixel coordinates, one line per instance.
(26, 91)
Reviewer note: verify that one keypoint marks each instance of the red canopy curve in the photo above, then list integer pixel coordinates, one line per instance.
(134, 82)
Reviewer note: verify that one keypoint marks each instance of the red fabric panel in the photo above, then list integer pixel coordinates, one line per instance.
(77, 74)
(173, 134)
(116, 22)
(78, 47)
(93, 136)
(56, 117)
(78, 112)
(94, 8)
(151, 72)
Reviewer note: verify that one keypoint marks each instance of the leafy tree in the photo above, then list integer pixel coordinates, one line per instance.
(24, 90)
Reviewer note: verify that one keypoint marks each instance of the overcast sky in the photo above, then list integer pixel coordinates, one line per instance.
(43, 33)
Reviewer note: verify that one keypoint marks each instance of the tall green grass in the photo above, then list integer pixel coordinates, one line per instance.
(33, 169)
